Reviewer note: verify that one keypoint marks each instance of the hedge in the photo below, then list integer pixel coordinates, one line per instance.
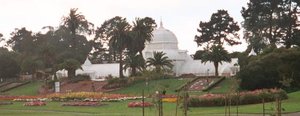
(242, 98)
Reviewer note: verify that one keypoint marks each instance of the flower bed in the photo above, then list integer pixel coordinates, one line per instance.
(35, 103)
(6, 97)
(81, 104)
(171, 100)
(30, 99)
(213, 84)
(139, 104)
(250, 97)
(90, 96)
(74, 96)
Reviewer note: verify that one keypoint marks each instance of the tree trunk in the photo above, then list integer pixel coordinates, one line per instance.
(133, 71)
(121, 65)
(289, 33)
(216, 68)
(272, 42)
(114, 56)
(141, 53)
(71, 73)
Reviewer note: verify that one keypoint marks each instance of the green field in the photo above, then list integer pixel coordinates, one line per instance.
(28, 89)
(121, 109)
(228, 84)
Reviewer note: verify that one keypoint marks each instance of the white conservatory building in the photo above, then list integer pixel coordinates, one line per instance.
(166, 41)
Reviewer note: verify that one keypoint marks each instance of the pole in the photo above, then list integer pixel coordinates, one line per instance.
(229, 104)
(161, 104)
(225, 105)
(237, 103)
(177, 102)
(263, 100)
(143, 100)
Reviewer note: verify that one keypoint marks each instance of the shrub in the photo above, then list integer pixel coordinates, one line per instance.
(190, 75)
(250, 97)
(79, 78)
(50, 84)
(139, 104)
(277, 68)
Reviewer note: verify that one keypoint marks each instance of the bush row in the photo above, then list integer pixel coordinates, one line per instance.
(242, 98)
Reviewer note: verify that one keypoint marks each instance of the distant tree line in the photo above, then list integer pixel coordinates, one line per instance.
(66, 46)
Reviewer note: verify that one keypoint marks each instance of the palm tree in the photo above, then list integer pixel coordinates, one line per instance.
(159, 61)
(77, 23)
(141, 33)
(216, 54)
(134, 62)
(71, 65)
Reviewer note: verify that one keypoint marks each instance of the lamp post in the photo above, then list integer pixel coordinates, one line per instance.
(207, 72)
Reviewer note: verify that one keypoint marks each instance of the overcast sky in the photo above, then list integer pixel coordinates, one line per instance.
(180, 16)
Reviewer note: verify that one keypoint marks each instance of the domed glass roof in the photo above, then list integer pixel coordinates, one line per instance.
(162, 35)
(162, 39)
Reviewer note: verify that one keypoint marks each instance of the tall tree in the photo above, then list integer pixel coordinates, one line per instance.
(141, 33)
(216, 54)
(213, 34)
(25, 43)
(22, 41)
(159, 61)
(220, 29)
(270, 22)
(77, 24)
(115, 32)
(9, 66)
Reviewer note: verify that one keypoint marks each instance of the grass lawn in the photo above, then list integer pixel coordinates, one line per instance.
(228, 84)
(168, 84)
(28, 89)
(121, 109)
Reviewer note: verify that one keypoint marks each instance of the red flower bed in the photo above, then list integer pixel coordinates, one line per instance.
(35, 103)
(247, 97)
(81, 104)
(139, 104)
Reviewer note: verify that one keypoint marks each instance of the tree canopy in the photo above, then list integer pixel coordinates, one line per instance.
(271, 22)
(213, 34)
(219, 30)
(160, 62)
(9, 66)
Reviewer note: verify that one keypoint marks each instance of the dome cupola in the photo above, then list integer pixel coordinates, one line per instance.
(162, 39)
